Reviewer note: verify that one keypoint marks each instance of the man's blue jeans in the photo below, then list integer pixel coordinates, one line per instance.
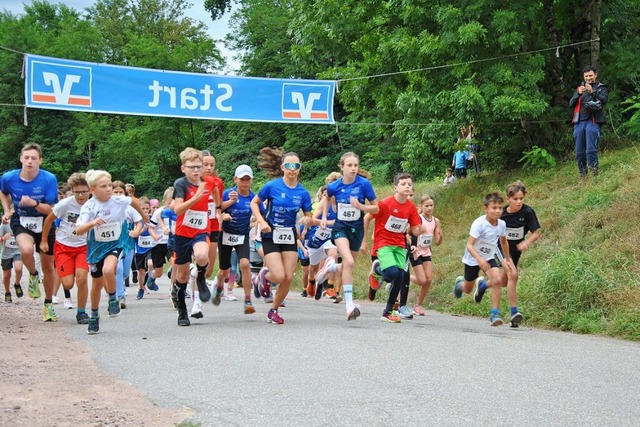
(586, 135)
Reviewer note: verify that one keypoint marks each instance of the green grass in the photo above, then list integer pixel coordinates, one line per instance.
(581, 276)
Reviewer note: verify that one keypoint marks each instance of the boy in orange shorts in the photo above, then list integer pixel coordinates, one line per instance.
(70, 249)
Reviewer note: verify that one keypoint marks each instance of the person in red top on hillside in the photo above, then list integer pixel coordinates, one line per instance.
(395, 213)
(191, 205)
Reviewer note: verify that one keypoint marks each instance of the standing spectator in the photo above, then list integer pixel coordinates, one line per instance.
(588, 115)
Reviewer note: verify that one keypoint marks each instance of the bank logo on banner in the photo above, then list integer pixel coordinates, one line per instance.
(61, 85)
(309, 102)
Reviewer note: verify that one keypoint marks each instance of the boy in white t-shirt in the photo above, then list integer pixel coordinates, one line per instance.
(481, 253)
(104, 218)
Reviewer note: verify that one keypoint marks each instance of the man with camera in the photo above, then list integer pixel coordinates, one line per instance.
(588, 115)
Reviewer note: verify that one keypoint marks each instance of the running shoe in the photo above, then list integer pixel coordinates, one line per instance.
(263, 283)
(283, 303)
(405, 312)
(319, 290)
(140, 293)
(255, 285)
(18, 289)
(337, 299)
(183, 317)
(94, 325)
(353, 311)
(33, 290)
(248, 308)
(230, 296)
(516, 319)
(7, 297)
(217, 296)
(123, 301)
(323, 273)
(331, 293)
(372, 293)
(396, 306)
(374, 277)
(151, 284)
(457, 287)
(196, 310)
(48, 314)
(304, 293)
(268, 299)
(113, 308)
(274, 317)
(68, 304)
(390, 317)
(82, 318)
(417, 310)
(481, 287)
(55, 300)
(495, 319)
(311, 288)
(205, 293)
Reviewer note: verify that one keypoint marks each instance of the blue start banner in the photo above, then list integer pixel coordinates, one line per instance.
(62, 84)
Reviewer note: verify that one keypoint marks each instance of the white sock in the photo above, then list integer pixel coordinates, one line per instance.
(348, 295)
(196, 296)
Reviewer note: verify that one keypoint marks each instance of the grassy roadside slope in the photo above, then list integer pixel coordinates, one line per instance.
(583, 273)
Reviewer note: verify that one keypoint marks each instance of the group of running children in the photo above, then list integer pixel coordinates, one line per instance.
(200, 220)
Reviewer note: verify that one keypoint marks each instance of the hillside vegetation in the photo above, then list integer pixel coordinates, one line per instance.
(581, 275)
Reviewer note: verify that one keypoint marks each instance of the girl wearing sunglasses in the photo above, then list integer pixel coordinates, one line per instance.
(349, 194)
(284, 198)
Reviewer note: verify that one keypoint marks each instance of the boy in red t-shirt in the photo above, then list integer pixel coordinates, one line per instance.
(395, 214)
(191, 205)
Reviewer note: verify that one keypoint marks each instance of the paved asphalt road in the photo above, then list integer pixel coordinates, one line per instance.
(318, 369)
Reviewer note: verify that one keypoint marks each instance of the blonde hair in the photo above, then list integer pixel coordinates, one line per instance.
(190, 154)
(333, 176)
(93, 176)
(168, 194)
(144, 200)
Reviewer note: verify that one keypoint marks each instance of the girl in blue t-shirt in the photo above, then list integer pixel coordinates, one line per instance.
(284, 197)
(349, 194)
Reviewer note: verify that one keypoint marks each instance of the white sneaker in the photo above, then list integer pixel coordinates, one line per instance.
(55, 300)
(196, 310)
(230, 296)
(68, 303)
(323, 273)
(353, 312)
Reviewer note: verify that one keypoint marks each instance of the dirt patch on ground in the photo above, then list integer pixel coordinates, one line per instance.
(47, 378)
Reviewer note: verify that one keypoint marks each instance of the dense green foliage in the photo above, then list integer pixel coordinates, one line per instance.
(470, 60)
